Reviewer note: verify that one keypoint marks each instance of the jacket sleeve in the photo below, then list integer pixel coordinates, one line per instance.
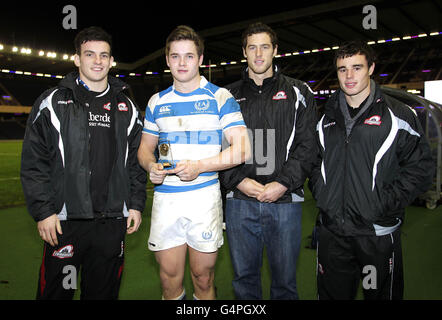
(138, 176)
(232, 177)
(36, 159)
(315, 175)
(417, 167)
(299, 162)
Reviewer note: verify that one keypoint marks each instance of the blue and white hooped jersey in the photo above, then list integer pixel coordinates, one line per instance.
(193, 124)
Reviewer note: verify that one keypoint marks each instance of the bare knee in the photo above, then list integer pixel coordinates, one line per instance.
(203, 279)
(169, 275)
(171, 271)
(202, 267)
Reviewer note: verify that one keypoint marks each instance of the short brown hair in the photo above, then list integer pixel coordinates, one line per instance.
(259, 27)
(185, 33)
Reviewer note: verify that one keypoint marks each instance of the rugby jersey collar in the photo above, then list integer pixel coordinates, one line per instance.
(203, 83)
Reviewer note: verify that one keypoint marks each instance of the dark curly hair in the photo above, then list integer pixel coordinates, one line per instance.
(351, 48)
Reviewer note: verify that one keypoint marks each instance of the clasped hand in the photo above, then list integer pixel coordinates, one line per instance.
(186, 170)
(270, 192)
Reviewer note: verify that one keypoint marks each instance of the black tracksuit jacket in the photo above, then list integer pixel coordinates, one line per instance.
(55, 171)
(368, 177)
(285, 108)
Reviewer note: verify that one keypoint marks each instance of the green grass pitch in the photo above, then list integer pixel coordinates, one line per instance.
(21, 249)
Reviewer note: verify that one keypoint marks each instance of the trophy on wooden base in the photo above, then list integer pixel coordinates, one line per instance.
(165, 154)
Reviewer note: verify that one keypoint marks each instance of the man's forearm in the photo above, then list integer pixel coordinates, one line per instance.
(145, 159)
(228, 158)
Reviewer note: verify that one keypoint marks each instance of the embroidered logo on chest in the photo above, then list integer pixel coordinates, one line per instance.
(165, 109)
(329, 124)
(122, 107)
(107, 106)
(280, 95)
(202, 105)
(373, 120)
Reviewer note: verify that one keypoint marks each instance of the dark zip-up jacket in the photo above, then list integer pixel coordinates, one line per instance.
(280, 116)
(55, 170)
(363, 180)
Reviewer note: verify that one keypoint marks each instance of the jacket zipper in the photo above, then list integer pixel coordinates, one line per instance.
(88, 137)
(344, 198)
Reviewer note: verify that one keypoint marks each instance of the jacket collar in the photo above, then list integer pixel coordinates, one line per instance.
(332, 109)
(69, 81)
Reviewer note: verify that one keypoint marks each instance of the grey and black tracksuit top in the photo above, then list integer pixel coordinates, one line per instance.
(56, 168)
(370, 166)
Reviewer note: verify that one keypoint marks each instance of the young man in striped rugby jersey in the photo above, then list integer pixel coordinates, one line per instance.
(187, 123)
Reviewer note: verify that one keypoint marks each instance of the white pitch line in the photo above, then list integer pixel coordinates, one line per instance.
(12, 178)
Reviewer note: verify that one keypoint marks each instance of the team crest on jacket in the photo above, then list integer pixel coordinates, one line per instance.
(107, 106)
(122, 107)
(373, 120)
(64, 252)
(280, 95)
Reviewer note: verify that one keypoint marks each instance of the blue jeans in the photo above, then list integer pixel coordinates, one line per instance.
(250, 225)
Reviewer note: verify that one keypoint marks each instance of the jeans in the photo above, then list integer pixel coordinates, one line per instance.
(250, 225)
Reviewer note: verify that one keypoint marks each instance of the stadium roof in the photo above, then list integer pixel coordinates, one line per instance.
(306, 30)
(139, 32)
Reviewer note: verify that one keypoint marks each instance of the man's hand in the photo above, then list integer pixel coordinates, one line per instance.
(250, 187)
(157, 173)
(135, 217)
(187, 170)
(272, 192)
(48, 229)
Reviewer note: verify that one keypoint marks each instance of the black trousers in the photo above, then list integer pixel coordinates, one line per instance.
(96, 247)
(342, 262)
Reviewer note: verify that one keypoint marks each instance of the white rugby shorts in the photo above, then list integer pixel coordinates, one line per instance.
(193, 217)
